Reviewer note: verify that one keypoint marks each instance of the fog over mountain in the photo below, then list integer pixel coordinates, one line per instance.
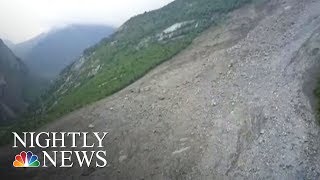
(21, 20)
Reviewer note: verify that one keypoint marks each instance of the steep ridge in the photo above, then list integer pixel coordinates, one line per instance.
(233, 105)
(13, 79)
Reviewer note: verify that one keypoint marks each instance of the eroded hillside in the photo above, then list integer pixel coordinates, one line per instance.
(139, 45)
(235, 104)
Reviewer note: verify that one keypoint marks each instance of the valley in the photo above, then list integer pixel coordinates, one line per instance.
(234, 100)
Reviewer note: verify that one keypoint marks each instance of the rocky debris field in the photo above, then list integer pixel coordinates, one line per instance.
(236, 104)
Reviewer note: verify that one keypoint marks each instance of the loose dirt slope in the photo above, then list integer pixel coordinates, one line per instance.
(235, 104)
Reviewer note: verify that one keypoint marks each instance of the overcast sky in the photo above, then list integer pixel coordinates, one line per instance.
(23, 19)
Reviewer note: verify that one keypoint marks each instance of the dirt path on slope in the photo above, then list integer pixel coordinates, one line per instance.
(232, 105)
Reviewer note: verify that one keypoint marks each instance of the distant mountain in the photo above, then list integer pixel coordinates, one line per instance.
(8, 43)
(13, 84)
(47, 54)
(22, 49)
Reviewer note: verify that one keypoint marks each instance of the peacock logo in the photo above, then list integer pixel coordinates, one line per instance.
(26, 160)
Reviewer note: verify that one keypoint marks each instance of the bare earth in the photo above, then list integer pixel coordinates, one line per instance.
(236, 104)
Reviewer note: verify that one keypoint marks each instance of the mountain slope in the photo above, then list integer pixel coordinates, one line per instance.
(13, 76)
(8, 43)
(48, 54)
(235, 104)
(139, 45)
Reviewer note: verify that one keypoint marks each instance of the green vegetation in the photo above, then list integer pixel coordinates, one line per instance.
(139, 45)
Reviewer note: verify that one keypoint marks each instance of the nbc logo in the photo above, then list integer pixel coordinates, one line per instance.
(26, 160)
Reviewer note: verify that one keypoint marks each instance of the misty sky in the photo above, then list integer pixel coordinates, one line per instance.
(23, 19)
